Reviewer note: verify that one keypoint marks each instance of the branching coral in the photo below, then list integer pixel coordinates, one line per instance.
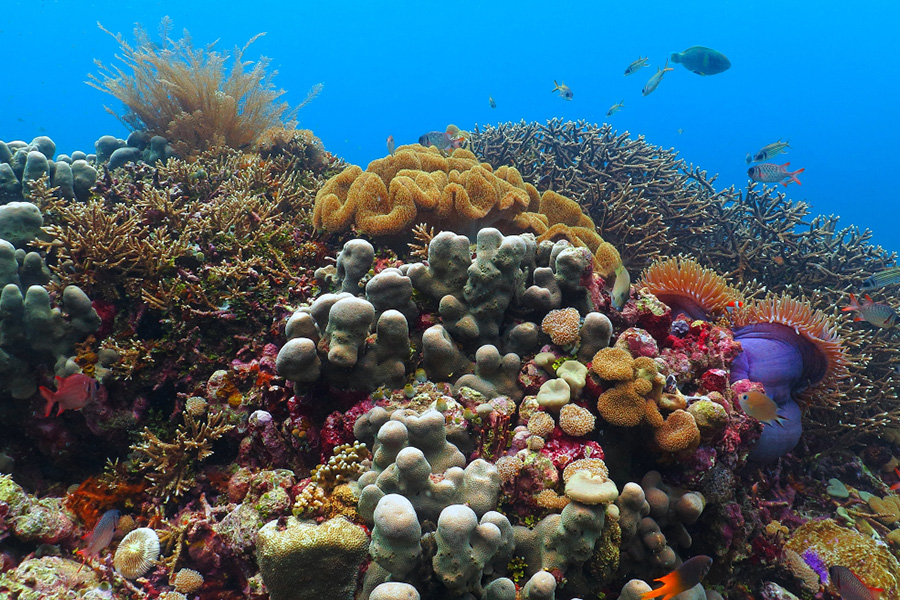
(189, 95)
(648, 203)
(169, 466)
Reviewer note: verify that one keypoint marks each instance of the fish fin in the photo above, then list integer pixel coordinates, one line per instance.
(858, 319)
(867, 297)
(895, 487)
(876, 592)
(49, 396)
(671, 586)
(786, 165)
(795, 173)
(781, 420)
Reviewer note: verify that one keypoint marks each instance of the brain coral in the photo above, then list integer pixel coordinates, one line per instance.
(421, 184)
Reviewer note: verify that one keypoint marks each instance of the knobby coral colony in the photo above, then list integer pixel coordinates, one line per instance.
(290, 411)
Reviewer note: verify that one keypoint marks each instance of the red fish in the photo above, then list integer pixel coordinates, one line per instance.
(850, 586)
(896, 486)
(72, 393)
(683, 578)
(772, 173)
(876, 313)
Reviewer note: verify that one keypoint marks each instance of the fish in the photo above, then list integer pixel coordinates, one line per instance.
(636, 66)
(565, 92)
(491, 102)
(896, 486)
(748, 159)
(889, 276)
(702, 61)
(653, 82)
(102, 534)
(772, 173)
(452, 138)
(622, 289)
(733, 306)
(615, 108)
(72, 393)
(686, 576)
(769, 151)
(679, 131)
(876, 313)
(850, 586)
(761, 407)
(390, 145)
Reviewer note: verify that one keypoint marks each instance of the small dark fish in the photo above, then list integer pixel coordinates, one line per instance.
(615, 108)
(769, 151)
(850, 586)
(491, 101)
(102, 534)
(686, 576)
(889, 276)
(391, 146)
(702, 61)
(565, 92)
(876, 313)
(772, 173)
(636, 66)
(654, 80)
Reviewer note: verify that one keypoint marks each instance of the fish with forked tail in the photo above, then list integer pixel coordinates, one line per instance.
(772, 173)
(565, 92)
(654, 80)
(636, 66)
(72, 393)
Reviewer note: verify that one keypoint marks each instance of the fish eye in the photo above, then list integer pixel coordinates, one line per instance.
(751, 170)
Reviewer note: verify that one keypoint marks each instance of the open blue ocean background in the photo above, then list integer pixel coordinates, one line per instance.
(822, 74)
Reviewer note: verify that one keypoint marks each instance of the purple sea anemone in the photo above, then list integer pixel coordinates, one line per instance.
(788, 347)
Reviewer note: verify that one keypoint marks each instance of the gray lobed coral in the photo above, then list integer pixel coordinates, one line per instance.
(484, 304)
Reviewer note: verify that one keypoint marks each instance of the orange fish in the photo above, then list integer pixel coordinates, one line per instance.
(850, 586)
(760, 407)
(733, 306)
(876, 313)
(72, 393)
(683, 578)
(896, 486)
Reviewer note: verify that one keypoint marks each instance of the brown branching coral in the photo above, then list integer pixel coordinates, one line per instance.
(755, 237)
(191, 96)
(169, 466)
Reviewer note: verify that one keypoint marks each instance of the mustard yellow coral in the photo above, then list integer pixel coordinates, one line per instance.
(420, 184)
(613, 364)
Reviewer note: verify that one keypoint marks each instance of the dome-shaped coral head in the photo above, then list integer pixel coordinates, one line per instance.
(790, 348)
(686, 287)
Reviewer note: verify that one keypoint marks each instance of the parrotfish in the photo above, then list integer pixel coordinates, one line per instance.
(391, 145)
(769, 151)
(889, 276)
(761, 407)
(850, 586)
(653, 82)
(565, 92)
(686, 576)
(102, 534)
(491, 102)
(72, 393)
(615, 108)
(702, 61)
(452, 138)
(876, 313)
(772, 173)
(636, 66)
(622, 289)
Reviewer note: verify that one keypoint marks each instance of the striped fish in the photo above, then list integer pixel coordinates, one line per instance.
(770, 151)
(876, 313)
(889, 276)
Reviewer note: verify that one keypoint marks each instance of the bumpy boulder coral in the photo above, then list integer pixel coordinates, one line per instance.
(305, 561)
(465, 547)
(20, 222)
(419, 184)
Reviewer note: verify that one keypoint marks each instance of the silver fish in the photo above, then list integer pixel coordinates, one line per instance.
(636, 66)
(653, 82)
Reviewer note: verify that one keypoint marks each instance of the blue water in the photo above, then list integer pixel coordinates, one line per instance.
(822, 74)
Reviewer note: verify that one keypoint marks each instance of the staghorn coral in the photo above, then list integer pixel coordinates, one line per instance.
(169, 466)
(189, 96)
(648, 203)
